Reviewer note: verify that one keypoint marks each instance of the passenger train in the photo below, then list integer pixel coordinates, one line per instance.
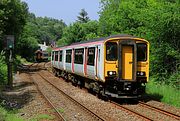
(115, 66)
(41, 56)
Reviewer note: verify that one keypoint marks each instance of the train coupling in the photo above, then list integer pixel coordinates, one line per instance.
(127, 86)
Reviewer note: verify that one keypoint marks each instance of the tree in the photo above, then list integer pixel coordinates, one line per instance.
(77, 32)
(83, 16)
(13, 14)
(38, 30)
(156, 21)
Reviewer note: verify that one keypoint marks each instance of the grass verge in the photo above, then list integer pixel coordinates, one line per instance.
(167, 93)
(8, 115)
(42, 117)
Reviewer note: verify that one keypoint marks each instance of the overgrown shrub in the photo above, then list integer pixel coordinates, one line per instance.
(3, 68)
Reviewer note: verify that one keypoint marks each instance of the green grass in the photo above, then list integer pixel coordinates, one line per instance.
(42, 116)
(21, 60)
(8, 115)
(61, 110)
(165, 93)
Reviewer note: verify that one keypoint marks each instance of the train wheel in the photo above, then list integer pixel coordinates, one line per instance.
(54, 72)
(74, 81)
(66, 76)
(101, 95)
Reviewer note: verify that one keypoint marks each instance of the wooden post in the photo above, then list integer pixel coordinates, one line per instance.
(10, 76)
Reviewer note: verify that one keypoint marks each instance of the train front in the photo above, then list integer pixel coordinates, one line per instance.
(126, 67)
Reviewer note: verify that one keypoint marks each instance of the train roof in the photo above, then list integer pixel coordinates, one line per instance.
(98, 40)
(102, 39)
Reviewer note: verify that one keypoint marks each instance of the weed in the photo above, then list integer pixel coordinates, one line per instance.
(42, 116)
(169, 94)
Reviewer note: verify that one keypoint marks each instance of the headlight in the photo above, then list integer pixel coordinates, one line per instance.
(111, 73)
(141, 73)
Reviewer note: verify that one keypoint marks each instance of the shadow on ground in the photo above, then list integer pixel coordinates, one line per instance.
(148, 97)
(17, 97)
(134, 101)
(21, 94)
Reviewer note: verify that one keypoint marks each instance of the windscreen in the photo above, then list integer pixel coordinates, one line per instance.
(141, 52)
(111, 51)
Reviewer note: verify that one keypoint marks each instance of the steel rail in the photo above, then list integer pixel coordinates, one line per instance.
(160, 110)
(72, 99)
(61, 118)
(129, 110)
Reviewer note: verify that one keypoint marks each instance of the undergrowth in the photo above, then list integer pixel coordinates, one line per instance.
(3, 69)
(8, 115)
(167, 93)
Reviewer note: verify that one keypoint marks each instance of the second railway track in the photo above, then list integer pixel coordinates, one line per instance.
(59, 115)
(91, 114)
(131, 111)
(143, 114)
(175, 116)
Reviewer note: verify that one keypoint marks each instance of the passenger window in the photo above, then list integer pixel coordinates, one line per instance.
(52, 56)
(56, 56)
(99, 54)
(91, 56)
(79, 54)
(60, 55)
(141, 52)
(111, 51)
(68, 56)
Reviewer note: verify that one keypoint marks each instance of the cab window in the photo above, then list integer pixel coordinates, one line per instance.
(111, 51)
(141, 52)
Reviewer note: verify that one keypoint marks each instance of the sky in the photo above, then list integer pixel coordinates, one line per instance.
(67, 10)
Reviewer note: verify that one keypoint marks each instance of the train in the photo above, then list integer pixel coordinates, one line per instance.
(111, 67)
(41, 56)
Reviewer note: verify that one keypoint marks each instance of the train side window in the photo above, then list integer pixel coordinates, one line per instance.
(60, 55)
(99, 55)
(56, 56)
(91, 56)
(68, 56)
(52, 56)
(78, 58)
(111, 51)
(141, 52)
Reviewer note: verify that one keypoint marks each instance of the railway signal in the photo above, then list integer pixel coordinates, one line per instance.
(9, 46)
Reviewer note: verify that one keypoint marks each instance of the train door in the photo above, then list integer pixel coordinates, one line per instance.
(99, 65)
(127, 60)
(96, 61)
(85, 61)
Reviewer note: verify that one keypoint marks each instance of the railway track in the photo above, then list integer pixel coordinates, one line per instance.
(169, 114)
(126, 108)
(60, 117)
(131, 111)
(159, 110)
(94, 115)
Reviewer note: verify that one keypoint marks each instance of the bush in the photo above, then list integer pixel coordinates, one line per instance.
(168, 93)
(3, 69)
(8, 115)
